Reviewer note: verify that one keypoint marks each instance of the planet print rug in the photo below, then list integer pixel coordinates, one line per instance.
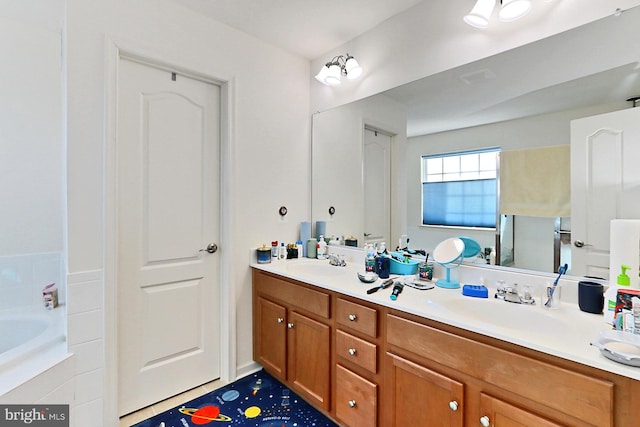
(257, 400)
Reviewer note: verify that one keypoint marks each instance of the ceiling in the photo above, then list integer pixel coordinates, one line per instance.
(534, 79)
(309, 28)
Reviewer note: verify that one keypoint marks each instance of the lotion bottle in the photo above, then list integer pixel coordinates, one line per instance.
(300, 248)
(611, 295)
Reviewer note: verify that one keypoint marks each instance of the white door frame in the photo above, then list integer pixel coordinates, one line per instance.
(114, 51)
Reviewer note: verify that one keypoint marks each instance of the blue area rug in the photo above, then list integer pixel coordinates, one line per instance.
(257, 400)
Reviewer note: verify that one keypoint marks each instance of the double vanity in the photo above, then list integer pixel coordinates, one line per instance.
(432, 357)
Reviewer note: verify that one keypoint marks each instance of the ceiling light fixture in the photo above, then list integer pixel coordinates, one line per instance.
(342, 65)
(513, 9)
(510, 10)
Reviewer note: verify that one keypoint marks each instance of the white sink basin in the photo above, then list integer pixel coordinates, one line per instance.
(527, 319)
(315, 268)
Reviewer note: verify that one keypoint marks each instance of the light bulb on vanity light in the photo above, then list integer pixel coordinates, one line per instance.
(353, 69)
(480, 14)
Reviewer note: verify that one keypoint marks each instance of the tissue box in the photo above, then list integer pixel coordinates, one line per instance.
(50, 296)
(624, 316)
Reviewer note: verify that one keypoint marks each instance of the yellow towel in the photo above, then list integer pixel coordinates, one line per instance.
(536, 182)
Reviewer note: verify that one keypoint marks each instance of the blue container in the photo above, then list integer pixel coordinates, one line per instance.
(383, 266)
(403, 268)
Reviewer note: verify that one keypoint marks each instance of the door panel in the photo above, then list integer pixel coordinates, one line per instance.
(377, 187)
(503, 414)
(309, 359)
(605, 184)
(423, 397)
(173, 176)
(271, 340)
(167, 183)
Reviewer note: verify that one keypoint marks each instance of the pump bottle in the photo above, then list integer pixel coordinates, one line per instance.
(611, 295)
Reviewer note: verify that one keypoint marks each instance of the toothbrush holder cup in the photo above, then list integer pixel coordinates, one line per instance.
(551, 297)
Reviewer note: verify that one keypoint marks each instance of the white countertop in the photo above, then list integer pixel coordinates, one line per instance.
(566, 332)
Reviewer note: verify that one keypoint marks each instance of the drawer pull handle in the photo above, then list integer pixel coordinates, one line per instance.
(353, 317)
(485, 422)
(280, 320)
(453, 405)
(290, 325)
(352, 403)
(352, 351)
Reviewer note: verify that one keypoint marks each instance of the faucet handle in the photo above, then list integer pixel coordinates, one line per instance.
(336, 260)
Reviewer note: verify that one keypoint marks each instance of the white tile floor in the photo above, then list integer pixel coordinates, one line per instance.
(172, 402)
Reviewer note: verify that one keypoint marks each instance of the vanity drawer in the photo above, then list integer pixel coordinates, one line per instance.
(583, 397)
(356, 350)
(357, 317)
(356, 399)
(302, 297)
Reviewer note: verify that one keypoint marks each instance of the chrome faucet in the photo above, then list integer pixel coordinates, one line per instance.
(511, 294)
(336, 260)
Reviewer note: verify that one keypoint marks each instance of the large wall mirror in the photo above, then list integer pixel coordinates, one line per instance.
(518, 100)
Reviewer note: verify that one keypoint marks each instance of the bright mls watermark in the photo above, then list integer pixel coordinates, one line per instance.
(34, 415)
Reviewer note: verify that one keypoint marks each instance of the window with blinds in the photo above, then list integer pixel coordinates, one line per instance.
(460, 189)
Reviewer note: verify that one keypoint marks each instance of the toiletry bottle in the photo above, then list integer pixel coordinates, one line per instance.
(322, 248)
(382, 249)
(300, 248)
(370, 259)
(635, 304)
(611, 295)
(283, 251)
(274, 249)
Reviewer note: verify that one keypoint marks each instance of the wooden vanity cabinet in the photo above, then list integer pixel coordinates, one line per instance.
(292, 336)
(502, 386)
(367, 365)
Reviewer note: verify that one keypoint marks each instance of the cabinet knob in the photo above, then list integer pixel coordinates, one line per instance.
(453, 405)
(353, 317)
(290, 325)
(352, 403)
(485, 422)
(352, 351)
(280, 320)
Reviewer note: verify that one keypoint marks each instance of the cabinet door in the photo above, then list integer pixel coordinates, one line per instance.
(422, 397)
(309, 367)
(270, 337)
(498, 413)
(356, 399)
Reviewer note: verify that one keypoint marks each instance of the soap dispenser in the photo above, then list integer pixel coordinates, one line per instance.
(610, 296)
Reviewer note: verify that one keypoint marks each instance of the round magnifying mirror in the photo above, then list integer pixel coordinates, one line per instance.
(448, 253)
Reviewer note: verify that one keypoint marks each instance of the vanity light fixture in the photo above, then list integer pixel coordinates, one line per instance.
(341, 65)
(510, 10)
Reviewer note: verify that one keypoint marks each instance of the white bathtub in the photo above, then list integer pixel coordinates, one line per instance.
(29, 343)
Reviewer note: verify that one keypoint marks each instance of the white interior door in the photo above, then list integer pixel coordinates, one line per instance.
(377, 187)
(605, 184)
(167, 155)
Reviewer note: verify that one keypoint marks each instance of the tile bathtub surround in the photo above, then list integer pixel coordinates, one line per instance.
(22, 278)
